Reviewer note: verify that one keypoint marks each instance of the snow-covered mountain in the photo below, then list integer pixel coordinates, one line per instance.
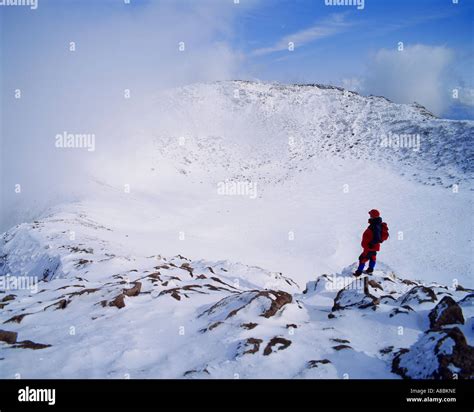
(270, 132)
(189, 253)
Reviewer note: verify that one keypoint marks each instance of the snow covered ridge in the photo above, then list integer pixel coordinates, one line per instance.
(271, 132)
(100, 312)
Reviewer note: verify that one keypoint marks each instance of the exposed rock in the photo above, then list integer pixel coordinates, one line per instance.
(82, 262)
(463, 289)
(216, 279)
(446, 312)
(387, 299)
(176, 295)
(119, 301)
(282, 298)
(249, 325)
(282, 342)
(17, 318)
(59, 305)
(417, 295)
(8, 298)
(81, 292)
(77, 249)
(174, 292)
(194, 371)
(134, 291)
(341, 347)
(442, 354)
(253, 345)
(8, 337)
(386, 278)
(315, 363)
(468, 300)
(386, 350)
(267, 303)
(28, 344)
(70, 286)
(155, 276)
(354, 298)
(340, 340)
(375, 284)
(214, 325)
(405, 310)
(187, 267)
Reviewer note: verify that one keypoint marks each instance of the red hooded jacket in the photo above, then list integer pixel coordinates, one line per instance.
(372, 236)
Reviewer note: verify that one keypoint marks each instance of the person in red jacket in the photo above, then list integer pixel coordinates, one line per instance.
(373, 236)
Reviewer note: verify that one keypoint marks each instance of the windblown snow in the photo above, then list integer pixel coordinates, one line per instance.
(222, 246)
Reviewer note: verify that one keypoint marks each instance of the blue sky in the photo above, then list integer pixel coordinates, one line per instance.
(341, 45)
(381, 24)
(349, 39)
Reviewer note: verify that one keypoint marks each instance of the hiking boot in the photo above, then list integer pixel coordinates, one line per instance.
(370, 271)
(358, 272)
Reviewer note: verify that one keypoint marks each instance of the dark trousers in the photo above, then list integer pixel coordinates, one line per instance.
(367, 256)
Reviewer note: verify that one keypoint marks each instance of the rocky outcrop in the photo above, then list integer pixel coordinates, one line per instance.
(11, 338)
(249, 325)
(446, 312)
(134, 291)
(467, 300)
(250, 346)
(8, 298)
(61, 304)
(28, 344)
(278, 300)
(442, 354)
(8, 337)
(402, 310)
(354, 298)
(341, 347)
(265, 303)
(277, 343)
(417, 295)
(118, 301)
(17, 318)
(315, 363)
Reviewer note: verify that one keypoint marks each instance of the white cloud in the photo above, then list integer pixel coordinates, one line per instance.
(122, 47)
(418, 73)
(466, 96)
(354, 84)
(335, 24)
